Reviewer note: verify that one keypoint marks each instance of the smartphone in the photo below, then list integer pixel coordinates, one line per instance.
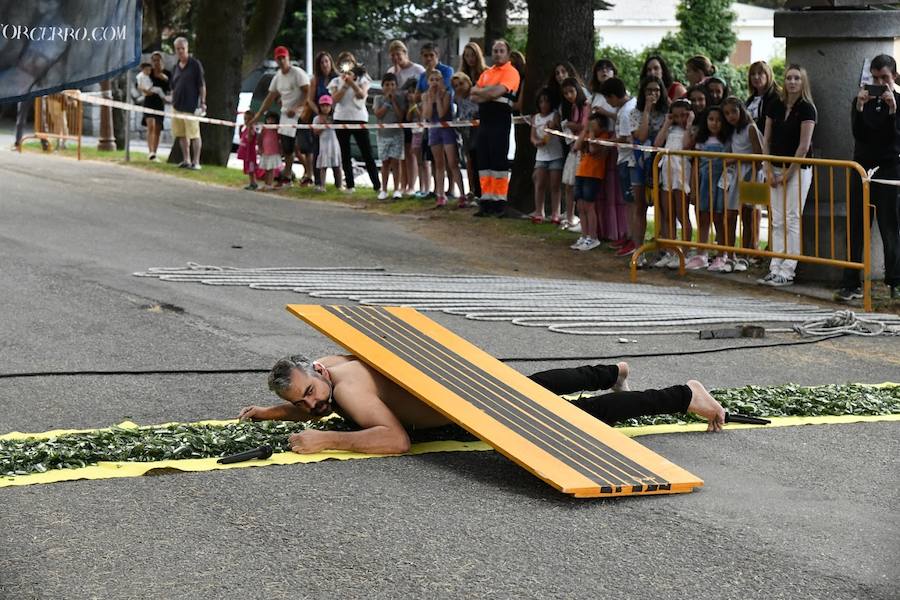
(875, 91)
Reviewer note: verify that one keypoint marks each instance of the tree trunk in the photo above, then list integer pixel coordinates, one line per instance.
(260, 33)
(495, 24)
(219, 46)
(572, 40)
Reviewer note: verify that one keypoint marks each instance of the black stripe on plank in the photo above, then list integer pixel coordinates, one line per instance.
(634, 471)
(509, 410)
(377, 332)
(372, 314)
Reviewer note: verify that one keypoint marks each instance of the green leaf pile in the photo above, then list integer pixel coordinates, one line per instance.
(145, 444)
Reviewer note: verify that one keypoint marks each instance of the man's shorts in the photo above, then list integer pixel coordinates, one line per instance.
(550, 165)
(586, 188)
(390, 145)
(305, 143)
(186, 128)
(287, 143)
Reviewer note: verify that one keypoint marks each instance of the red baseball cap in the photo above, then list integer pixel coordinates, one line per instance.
(281, 51)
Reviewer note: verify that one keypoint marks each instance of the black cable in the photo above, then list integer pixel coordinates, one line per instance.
(35, 374)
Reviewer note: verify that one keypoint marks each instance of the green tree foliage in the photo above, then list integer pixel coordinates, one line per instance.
(705, 27)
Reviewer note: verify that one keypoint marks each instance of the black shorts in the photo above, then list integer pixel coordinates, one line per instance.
(287, 143)
(304, 141)
(407, 137)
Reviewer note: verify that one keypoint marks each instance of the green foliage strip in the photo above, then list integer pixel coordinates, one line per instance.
(146, 444)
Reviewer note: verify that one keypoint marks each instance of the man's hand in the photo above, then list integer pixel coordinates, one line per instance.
(862, 97)
(307, 442)
(252, 413)
(888, 98)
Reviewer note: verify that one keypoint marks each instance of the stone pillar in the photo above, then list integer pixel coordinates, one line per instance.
(832, 46)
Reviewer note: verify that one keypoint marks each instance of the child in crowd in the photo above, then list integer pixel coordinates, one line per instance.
(699, 100)
(574, 111)
(145, 84)
(419, 166)
(329, 148)
(269, 151)
(388, 109)
(746, 139)
(436, 108)
(548, 161)
(616, 95)
(589, 179)
(717, 90)
(466, 110)
(713, 135)
(674, 177)
(247, 149)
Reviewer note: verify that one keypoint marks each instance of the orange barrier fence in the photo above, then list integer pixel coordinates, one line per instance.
(57, 117)
(727, 197)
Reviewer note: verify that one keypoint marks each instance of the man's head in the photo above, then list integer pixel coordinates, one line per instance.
(304, 384)
(283, 58)
(181, 48)
(430, 55)
(500, 52)
(613, 89)
(884, 70)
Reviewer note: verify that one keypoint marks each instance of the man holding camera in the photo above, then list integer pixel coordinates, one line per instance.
(876, 135)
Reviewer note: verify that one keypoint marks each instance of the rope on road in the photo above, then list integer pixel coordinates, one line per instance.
(845, 322)
(558, 305)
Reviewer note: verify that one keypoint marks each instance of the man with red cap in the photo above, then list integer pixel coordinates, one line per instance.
(290, 85)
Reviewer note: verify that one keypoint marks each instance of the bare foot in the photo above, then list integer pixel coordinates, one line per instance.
(704, 405)
(621, 384)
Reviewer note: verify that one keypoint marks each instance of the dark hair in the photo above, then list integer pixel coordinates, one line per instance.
(598, 118)
(613, 87)
(703, 127)
(702, 64)
(711, 80)
(270, 115)
(387, 77)
(680, 103)
(542, 93)
(883, 60)
(144, 65)
(600, 64)
(430, 47)
(554, 86)
(318, 63)
(662, 105)
(410, 85)
(666, 73)
(702, 89)
(504, 42)
(736, 102)
(566, 108)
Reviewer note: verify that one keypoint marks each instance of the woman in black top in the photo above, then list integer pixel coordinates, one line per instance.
(790, 121)
(154, 123)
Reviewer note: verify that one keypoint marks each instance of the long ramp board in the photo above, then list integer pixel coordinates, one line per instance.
(563, 445)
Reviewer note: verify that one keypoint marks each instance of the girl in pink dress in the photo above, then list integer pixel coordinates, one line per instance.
(270, 151)
(247, 150)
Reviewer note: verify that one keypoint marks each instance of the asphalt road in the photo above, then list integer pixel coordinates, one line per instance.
(805, 512)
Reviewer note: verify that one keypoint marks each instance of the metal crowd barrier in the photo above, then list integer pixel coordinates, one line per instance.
(830, 186)
(56, 116)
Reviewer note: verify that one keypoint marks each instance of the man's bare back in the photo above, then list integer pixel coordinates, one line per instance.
(409, 410)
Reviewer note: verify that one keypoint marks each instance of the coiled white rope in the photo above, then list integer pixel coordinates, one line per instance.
(845, 322)
(562, 306)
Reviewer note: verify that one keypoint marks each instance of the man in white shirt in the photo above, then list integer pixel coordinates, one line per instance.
(290, 85)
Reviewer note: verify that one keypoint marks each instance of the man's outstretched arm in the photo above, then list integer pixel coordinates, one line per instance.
(279, 412)
(380, 433)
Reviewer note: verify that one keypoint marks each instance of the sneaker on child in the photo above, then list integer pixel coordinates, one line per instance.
(589, 244)
(578, 243)
(382, 195)
(717, 265)
(780, 281)
(848, 294)
(740, 265)
(697, 262)
(663, 261)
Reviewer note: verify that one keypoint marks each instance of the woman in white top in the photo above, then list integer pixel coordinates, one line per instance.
(349, 91)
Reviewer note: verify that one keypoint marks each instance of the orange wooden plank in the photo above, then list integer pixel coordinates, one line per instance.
(584, 442)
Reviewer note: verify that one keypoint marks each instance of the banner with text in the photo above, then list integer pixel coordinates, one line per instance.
(52, 45)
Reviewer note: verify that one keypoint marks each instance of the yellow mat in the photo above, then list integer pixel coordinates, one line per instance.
(113, 470)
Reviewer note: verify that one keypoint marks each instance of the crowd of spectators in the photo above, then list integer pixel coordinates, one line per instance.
(600, 191)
